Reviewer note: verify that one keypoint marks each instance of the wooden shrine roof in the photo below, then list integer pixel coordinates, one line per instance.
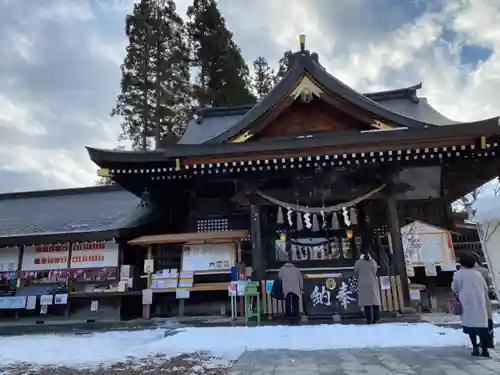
(230, 235)
(326, 143)
(307, 64)
(212, 122)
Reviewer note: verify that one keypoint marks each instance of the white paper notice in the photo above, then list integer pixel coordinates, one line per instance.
(410, 270)
(414, 295)
(448, 267)
(240, 287)
(61, 299)
(46, 299)
(149, 266)
(385, 283)
(122, 286)
(94, 306)
(43, 309)
(147, 296)
(182, 294)
(31, 303)
(430, 269)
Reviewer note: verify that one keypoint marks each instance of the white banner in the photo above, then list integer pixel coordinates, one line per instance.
(9, 259)
(94, 255)
(45, 258)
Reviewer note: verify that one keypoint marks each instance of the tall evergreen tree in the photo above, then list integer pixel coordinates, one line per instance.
(263, 77)
(155, 89)
(222, 75)
(285, 64)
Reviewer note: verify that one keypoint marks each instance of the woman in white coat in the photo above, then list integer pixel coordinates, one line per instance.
(472, 292)
(368, 295)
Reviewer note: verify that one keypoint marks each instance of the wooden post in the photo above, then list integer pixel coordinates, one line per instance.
(397, 245)
(258, 264)
(146, 309)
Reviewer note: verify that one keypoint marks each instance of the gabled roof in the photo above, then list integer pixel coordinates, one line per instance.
(306, 66)
(213, 123)
(93, 213)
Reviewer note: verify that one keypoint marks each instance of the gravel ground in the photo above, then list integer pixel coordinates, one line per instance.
(187, 364)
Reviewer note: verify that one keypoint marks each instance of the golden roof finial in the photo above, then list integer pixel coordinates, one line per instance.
(302, 41)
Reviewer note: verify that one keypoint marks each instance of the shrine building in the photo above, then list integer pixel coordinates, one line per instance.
(313, 174)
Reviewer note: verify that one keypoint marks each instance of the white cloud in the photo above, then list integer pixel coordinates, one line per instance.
(60, 78)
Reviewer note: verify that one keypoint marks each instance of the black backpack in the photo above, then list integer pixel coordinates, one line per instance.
(277, 290)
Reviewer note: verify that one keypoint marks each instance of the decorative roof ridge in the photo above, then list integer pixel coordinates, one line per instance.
(61, 192)
(224, 111)
(402, 93)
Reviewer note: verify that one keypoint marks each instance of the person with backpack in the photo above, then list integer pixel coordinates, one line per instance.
(292, 285)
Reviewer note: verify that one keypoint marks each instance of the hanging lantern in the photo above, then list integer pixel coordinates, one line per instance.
(315, 223)
(323, 220)
(335, 221)
(353, 217)
(349, 233)
(279, 216)
(300, 225)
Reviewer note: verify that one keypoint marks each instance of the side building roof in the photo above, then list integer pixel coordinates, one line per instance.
(82, 214)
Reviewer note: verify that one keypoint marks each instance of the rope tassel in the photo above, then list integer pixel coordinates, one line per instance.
(300, 224)
(353, 217)
(335, 221)
(315, 224)
(279, 217)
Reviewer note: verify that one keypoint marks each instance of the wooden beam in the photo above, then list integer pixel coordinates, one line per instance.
(229, 236)
(397, 243)
(146, 309)
(258, 261)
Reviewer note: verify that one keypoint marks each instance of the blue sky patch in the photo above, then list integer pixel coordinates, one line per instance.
(472, 54)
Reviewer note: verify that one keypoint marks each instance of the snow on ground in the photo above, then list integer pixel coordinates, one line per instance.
(226, 343)
(437, 318)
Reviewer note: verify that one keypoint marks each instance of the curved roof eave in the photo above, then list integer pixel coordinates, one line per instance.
(336, 86)
(487, 127)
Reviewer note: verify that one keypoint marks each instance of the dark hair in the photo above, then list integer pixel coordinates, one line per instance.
(477, 257)
(467, 261)
(366, 256)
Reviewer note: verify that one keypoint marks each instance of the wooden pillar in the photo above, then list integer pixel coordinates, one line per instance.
(397, 244)
(146, 309)
(258, 261)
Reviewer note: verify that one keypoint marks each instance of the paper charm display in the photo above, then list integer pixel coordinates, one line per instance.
(345, 213)
(307, 220)
(289, 214)
(323, 220)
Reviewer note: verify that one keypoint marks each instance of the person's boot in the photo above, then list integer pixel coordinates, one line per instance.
(475, 351)
(485, 353)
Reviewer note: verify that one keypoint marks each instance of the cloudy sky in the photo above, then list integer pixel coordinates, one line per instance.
(59, 69)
